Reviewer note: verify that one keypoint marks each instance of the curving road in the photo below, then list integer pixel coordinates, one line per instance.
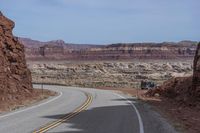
(84, 110)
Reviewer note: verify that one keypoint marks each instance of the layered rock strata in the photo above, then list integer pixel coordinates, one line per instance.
(60, 50)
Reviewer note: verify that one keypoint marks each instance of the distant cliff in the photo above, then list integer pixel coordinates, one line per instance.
(57, 49)
(36, 50)
(143, 51)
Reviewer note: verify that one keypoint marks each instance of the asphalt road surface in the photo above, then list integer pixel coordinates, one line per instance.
(84, 110)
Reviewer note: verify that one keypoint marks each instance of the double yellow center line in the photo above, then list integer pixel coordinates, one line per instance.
(66, 117)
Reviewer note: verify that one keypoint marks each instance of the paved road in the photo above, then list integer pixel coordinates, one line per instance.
(106, 112)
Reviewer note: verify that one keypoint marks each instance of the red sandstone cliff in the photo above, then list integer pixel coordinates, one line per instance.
(36, 50)
(15, 77)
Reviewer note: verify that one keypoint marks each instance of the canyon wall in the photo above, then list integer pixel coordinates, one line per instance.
(15, 77)
(141, 51)
(60, 50)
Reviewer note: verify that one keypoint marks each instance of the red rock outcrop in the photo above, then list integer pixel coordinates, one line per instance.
(15, 77)
(184, 90)
(195, 92)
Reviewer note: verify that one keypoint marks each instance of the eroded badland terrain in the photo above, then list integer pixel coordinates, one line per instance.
(118, 74)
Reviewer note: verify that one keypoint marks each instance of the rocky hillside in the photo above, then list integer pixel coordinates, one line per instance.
(36, 50)
(195, 92)
(15, 77)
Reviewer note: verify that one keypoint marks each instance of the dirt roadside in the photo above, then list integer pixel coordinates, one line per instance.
(37, 95)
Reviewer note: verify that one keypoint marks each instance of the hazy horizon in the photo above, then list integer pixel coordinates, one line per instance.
(106, 43)
(105, 21)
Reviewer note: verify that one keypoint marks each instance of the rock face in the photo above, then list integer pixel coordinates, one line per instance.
(196, 76)
(15, 77)
(36, 50)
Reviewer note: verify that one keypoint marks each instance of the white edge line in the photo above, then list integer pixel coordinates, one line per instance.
(137, 112)
(9, 114)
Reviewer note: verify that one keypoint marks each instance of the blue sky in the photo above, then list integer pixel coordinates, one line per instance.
(105, 21)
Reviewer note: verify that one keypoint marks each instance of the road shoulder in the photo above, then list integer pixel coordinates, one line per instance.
(39, 96)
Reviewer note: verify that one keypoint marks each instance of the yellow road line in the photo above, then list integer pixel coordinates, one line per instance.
(56, 123)
(67, 117)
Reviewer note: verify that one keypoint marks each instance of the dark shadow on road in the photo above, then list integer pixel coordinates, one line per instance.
(117, 118)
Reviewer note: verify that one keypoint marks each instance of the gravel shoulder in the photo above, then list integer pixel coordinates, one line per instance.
(36, 96)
